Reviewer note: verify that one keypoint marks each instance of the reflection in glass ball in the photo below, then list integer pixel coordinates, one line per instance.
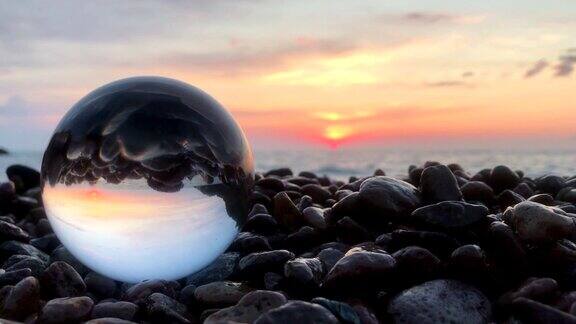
(147, 178)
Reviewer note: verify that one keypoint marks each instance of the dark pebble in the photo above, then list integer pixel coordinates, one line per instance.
(249, 308)
(220, 269)
(297, 312)
(61, 280)
(66, 310)
(438, 183)
(450, 215)
(120, 309)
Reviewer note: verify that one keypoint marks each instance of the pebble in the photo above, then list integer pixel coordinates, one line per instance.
(502, 178)
(414, 263)
(23, 177)
(23, 300)
(100, 286)
(538, 223)
(260, 262)
(450, 215)
(12, 232)
(120, 309)
(388, 196)
(359, 271)
(438, 183)
(304, 272)
(163, 309)
(62, 254)
(248, 308)
(18, 262)
(108, 320)
(61, 280)
(477, 191)
(550, 184)
(314, 216)
(343, 312)
(221, 293)
(139, 292)
(66, 310)
(440, 301)
(10, 248)
(220, 269)
(297, 312)
(286, 212)
(530, 311)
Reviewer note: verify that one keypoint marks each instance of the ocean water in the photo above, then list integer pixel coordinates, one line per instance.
(343, 163)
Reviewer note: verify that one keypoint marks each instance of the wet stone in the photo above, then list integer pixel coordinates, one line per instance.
(139, 292)
(120, 309)
(388, 196)
(10, 248)
(538, 223)
(101, 286)
(12, 232)
(221, 293)
(249, 308)
(260, 262)
(163, 309)
(440, 301)
(23, 300)
(438, 183)
(61, 280)
(220, 269)
(343, 312)
(450, 215)
(297, 312)
(66, 310)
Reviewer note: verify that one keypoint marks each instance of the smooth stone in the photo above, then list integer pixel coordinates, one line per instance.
(17, 262)
(329, 257)
(360, 271)
(246, 242)
(416, 263)
(450, 215)
(468, 259)
(23, 177)
(261, 223)
(62, 254)
(260, 262)
(301, 181)
(438, 183)
(440, 301)
(66, 310)
(544, 199)
(543, 290)
(509, 198)
(502, 178)
(478, 191)
(249, 308)
(139, 292)
(314, 217)
(304, 271)
(186, 295)
(13, 277)
(530, 311)
(316, 192)
(285, 211)
(101, 286)
(12, 232)
(271, 183)
(388, 196)
(10, 248)
(550, 184)
(61, 280)
(272, 281)
(220, 269)
(23, 300)
(303, 239)
(297, 312)
(343, 312)
(163, 309)
(221, 293)
(280, 172)
(524, 190)
(538, 223)
(257, 209)
(120, 309)
(46, 243)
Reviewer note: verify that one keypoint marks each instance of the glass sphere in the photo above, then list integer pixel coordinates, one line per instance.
(147, 178)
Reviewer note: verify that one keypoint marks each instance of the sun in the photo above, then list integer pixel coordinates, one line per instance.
(336, 134)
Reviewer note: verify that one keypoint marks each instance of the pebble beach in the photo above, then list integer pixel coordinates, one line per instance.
(436, 245)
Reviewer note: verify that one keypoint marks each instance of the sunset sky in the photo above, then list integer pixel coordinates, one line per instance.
(307, 73)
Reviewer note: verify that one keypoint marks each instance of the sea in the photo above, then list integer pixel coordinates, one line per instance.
(343, 163)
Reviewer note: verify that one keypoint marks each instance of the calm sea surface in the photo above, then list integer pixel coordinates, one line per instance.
(341, 164)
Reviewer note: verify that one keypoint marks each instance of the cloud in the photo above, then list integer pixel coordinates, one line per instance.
(566, 63)
(436, 18)
(535, 69)
(250, 58)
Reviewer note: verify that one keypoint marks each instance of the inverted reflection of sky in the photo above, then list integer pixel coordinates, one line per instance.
(131, 232)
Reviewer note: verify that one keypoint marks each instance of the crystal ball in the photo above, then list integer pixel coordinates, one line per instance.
(147, 178)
